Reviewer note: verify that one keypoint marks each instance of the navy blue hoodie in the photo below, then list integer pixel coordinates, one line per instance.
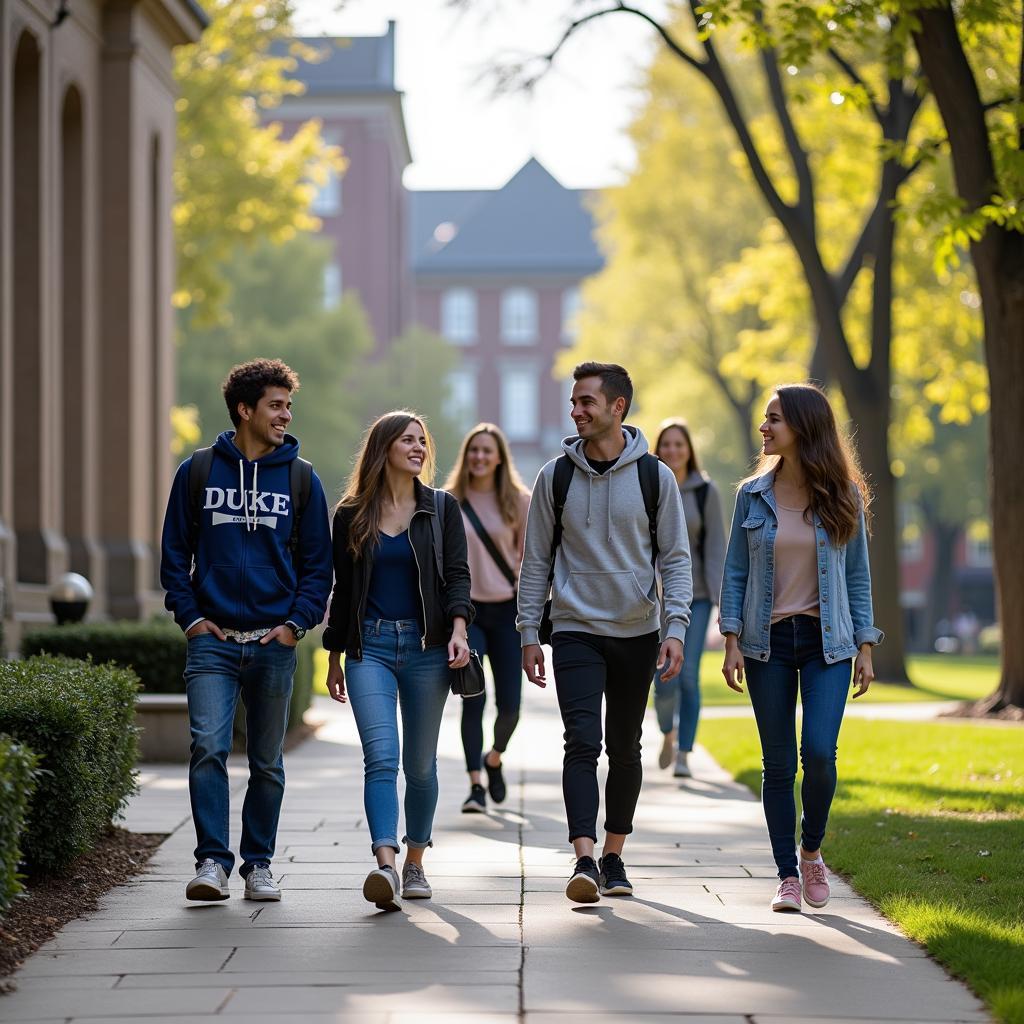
(243, 576)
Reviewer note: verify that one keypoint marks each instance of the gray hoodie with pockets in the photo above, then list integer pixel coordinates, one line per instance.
(604, 581)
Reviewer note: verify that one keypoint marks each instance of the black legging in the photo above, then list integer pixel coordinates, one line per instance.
(588, 668)
(494, 633)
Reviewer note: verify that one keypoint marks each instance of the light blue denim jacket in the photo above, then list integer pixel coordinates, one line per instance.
(844, 580)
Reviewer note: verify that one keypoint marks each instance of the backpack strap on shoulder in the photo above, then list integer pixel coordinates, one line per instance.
(198, 473)
(564, 469)
(647, 469)
(437, 523)
(300, 483)
(701, 495)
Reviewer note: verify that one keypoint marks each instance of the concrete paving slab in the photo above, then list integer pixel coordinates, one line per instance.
(122, 1003)
(124, 961)
(341, 976)
(390, 997)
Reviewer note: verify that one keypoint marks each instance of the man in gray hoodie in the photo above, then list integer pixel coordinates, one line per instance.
(605, 610)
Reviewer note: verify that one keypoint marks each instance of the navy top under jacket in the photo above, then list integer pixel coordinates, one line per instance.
(244, 576)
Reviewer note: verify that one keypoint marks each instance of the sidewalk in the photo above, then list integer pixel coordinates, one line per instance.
(499, 941)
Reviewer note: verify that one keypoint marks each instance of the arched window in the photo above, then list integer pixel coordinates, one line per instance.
(519, 316)
(458, 315)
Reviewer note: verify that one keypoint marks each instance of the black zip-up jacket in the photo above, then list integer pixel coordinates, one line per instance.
(440, 601)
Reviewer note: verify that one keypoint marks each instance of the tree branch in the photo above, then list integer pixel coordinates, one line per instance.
(851, 72)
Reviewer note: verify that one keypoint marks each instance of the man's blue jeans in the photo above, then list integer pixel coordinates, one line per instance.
(393, 671)
(682, 691)
(796, 664)
(216, 672)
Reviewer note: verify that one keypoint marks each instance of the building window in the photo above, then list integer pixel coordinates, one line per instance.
(458, 315)
(519, 404)
(327, 202)
(460, 405)
(571, 303)
(332, 285)
(911, 534)
(979, 545)
(519, 316)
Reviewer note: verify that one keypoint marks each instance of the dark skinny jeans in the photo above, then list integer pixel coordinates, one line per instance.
(796, 665)
(493, 633)
(588, 668)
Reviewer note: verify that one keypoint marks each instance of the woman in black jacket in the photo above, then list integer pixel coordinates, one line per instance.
(400, 612)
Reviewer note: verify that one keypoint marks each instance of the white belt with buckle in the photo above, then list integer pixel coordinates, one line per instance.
(246, 636)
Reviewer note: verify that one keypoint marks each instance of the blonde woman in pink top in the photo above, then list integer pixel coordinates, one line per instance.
(494, 506)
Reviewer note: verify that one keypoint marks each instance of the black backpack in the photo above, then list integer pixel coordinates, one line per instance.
(650, 486)
(701, 494)
(300, 480)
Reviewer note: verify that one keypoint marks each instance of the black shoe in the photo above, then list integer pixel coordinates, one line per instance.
(495, 783)
(613, 876)
(476, 802)
(584, 885)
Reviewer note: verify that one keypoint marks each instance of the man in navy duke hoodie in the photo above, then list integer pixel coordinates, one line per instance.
(244, 601)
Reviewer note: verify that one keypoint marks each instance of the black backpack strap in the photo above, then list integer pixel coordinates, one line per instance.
(701, 494)
(564, 469)
(198, 473)
(300, 483)
(488, 542)
(437, 528)
(650, 486)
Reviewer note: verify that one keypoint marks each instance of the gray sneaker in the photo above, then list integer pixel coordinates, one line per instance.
(210, 883)
(260, 885)
(381, 888)
(414, 883)
(682, 768)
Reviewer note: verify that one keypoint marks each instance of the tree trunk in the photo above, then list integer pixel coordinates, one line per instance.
(998, 258)
(944, 537)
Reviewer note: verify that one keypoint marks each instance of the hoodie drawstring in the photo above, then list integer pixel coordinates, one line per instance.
(250, 522)
(241, 492)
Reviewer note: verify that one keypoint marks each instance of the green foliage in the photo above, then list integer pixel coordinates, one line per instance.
(277, 310)
(238, 179)
(302, 688)
(155, 651)
(80, 719)
(928, 824)
(18, 777)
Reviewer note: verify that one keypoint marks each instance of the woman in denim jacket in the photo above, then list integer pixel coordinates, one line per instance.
(796, 611)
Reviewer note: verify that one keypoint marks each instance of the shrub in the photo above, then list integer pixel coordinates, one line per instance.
(80, 719)
(155, 650)
(17, 781)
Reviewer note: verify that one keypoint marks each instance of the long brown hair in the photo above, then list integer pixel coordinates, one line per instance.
(828, 461)
(365, 490)
(674, 423)
(508, 485)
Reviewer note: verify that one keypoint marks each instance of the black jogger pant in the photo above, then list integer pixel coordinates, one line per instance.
(588, 668)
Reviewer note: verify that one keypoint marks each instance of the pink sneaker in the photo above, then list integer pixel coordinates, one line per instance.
(814, 881)
(788, 895)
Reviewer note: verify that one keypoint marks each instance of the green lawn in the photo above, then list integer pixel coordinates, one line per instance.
(928, 824)
(935, 676)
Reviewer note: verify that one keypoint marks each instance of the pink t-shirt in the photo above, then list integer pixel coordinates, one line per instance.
(487, 582)
(796, 566)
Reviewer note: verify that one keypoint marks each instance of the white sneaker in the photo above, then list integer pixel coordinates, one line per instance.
(260, 885)
(210, 883)
(682, 769)
(381, 888)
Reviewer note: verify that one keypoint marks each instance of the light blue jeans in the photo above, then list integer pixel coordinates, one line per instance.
(393, 671)
(216, 672)
(682, 691)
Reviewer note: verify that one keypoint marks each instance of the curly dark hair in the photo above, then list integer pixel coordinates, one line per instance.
(247, 381)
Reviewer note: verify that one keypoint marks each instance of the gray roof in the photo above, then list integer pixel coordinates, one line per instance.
(531, 225)
(348, 65)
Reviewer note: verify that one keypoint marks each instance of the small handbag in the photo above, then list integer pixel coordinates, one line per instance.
(468, 681)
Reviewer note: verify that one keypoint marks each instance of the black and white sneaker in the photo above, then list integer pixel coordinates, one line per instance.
(584, 885)
(381, 888)
(476, 802)
(613, 876)
(495, 783)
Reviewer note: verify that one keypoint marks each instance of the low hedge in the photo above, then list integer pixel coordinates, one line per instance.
(18, 777)
(154, 650)
(80, 719)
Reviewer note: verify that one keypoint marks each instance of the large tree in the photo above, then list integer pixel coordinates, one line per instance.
(789, 178)
(237, 178)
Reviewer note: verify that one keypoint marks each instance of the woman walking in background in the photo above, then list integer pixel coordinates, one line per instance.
(796, 612)
(400, 612)
(495, 504)
(702, 505)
